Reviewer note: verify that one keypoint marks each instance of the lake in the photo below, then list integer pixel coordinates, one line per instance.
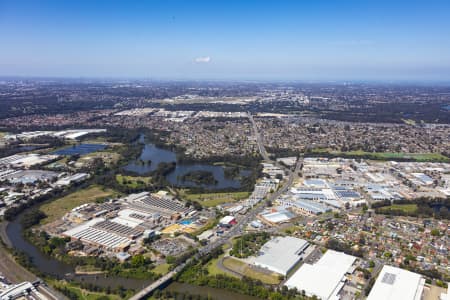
(80, 149)
(157, 155)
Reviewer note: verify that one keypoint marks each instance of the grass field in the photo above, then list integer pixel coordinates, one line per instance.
(162, 269)
(407, 208)
(213, 269)
(84, 294)
(214, 199)
(56, 209)
(244, 269)
(432, 157)
(132, 181)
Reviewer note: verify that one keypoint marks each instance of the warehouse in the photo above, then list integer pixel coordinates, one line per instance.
(31, 176)
(276, 216)
(308, 207)
(87, 233)
(397, 284)
(281, 254)
(325, 278)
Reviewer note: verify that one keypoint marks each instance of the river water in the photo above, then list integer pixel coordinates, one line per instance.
(157, 155)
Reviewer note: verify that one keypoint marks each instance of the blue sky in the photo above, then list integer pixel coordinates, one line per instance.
(300, 40)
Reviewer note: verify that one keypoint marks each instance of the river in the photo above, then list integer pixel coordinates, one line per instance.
(58, 269)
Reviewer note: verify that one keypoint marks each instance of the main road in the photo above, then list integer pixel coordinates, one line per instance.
(237, 229)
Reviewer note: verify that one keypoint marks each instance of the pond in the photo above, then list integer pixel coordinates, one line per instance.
(157, 155)
(80, 149)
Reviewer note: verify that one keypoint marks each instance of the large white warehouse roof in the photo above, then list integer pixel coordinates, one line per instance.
(397, 284)
(325, 278)
(281, 254)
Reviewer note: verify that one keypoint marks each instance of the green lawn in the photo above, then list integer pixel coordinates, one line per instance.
(57, 208)
(407, 208)
(132, 181)
(213, 269)
(161, 269)
(432, 157)
(244, 269)
(214, 199)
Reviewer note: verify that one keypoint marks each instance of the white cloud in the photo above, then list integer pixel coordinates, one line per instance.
(203, 60)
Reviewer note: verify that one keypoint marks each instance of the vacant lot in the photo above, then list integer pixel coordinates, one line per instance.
(246, 270)
(56, 209)
(214, 199)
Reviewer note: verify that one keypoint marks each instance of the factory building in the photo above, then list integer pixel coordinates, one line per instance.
(325, 278)
(281, 254)
(397, 284)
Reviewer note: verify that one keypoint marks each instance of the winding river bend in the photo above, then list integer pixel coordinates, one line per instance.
(58, 269)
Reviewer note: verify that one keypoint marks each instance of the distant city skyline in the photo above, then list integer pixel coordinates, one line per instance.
(227, 40)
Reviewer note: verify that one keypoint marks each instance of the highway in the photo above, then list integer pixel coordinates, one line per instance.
(237, 229)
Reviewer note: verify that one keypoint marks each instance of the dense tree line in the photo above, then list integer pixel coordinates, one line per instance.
(426, 207)
(32, 217)
(249, 244)
(341, 246)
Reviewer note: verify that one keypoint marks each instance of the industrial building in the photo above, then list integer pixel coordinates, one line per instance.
(26, 160)
(305, 207)
(281, 254)
(75, 178)
(152, 203)
(276, 216)
(325, 278)
(99, 232)
(397, 284)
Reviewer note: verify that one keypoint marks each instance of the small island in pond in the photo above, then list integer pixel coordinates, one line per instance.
(200, 177)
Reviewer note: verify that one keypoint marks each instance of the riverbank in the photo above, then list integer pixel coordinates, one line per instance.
(9, 268)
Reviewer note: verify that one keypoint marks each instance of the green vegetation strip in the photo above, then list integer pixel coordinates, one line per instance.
(420, 157)
(406, 208)
(214, 199)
